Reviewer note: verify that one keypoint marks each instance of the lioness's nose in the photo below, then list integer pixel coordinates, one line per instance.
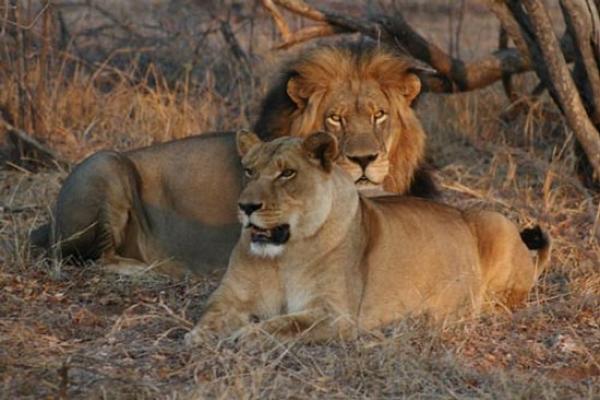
(249, 208)
(363, 161)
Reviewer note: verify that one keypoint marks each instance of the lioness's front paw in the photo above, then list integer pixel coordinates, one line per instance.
(252, 336)
(246, 332)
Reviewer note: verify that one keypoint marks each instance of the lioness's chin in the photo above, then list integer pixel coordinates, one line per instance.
(266, 250)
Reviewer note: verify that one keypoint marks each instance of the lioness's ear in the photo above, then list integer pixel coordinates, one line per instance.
(298, 91)
(323, 147)
(245, 140)
(411, 87)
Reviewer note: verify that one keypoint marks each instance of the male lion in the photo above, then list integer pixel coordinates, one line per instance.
(174, 204)
(317, 260)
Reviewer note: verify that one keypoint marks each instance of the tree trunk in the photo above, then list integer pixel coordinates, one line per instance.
(569, 98)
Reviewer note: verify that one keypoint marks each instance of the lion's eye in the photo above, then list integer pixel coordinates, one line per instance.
(380, 116)
(334, 119)
(287, 173)
(249, 172)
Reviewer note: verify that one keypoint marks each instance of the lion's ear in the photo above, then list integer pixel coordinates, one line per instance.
(322, 146)
(245, 140)
(411, 87)
(298, 91)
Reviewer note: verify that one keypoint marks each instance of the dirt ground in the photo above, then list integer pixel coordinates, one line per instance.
(71, 331)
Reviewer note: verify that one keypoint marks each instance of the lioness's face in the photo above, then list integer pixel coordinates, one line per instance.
(364, 118)
(287, 190)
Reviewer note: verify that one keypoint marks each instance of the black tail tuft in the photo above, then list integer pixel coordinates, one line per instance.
(534, 238)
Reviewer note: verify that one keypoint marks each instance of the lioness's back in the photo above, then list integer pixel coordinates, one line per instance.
(401, 273)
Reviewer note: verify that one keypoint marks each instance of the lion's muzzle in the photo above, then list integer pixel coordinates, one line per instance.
(363, 161)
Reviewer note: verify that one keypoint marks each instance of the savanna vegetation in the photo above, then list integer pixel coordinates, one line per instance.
(507, 130)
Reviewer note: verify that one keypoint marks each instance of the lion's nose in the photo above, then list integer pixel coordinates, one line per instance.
(249, 208)
(363, 161)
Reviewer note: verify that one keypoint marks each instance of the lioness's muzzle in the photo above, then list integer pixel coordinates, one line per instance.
(277, 235)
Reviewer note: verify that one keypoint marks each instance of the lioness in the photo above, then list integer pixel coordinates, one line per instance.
(174, 204)
(316, 259)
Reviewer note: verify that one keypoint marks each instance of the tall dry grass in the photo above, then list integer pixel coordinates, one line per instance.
(85, 76)
(85, 111)
(91, 334)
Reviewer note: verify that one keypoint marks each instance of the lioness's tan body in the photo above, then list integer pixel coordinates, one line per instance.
(370, 262)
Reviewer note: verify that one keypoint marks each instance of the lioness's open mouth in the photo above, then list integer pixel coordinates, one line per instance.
(277, 235)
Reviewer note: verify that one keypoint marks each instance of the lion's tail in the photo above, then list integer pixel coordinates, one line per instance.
(537, 239)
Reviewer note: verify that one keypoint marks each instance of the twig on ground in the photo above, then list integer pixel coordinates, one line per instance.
(33, 142)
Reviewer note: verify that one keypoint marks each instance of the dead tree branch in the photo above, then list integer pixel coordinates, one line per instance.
(537, 49)
(506, 78)
(308, 33)
(453, 75)
(282, 26)
(574, 96)
(562, 83)
(510, 25)
(580, 27)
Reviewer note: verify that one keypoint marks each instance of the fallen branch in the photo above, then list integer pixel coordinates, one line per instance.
(31, 141)
(562, 83)
(308, 33)
(282, 26)
(19, 209)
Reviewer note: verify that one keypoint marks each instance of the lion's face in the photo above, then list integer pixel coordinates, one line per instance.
(364, 100)
(287, 190)
(360, 118)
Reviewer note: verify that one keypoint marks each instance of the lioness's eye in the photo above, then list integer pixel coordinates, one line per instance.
(249, 172)
(379, 116)
(334, 119)
(287, 173)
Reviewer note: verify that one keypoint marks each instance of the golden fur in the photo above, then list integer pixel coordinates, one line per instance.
(353, 263)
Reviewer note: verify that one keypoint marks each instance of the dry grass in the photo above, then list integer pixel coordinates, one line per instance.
(89, 111)
(90, 334)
